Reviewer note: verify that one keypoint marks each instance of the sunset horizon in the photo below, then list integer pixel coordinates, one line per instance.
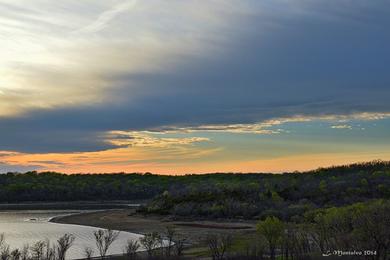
(195, 87)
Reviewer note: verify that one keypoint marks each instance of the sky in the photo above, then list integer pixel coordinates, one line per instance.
(174, 87)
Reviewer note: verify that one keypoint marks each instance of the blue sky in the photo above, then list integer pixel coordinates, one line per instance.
(193, 86)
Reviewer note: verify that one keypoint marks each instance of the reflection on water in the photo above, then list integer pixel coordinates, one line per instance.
(27, 227)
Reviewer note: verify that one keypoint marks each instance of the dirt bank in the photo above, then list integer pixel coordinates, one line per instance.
(195, 231)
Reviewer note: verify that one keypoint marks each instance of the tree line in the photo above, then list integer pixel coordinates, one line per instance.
(286, 196)
(217, 194)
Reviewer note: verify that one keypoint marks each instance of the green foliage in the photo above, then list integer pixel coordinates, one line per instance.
(288, 196)
(49, 186)
(223, 195)
(273, 230)
(323, 186)
(359, 226)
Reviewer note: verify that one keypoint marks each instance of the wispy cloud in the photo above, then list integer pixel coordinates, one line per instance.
(107, 16)
(145, 139)
(149, 156)
(48, 62)
(341, 127)
(267, 127)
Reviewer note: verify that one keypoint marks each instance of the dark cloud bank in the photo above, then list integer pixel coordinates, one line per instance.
(331, 57)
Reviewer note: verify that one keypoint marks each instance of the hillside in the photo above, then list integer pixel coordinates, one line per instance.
(220, 195)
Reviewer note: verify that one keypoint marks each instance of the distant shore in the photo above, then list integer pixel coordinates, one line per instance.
(69, 205)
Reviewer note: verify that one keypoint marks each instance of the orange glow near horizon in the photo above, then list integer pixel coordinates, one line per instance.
(136, 160)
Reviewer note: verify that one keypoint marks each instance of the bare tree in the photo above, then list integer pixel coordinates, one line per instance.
(104, 239)
(2, 239)
(15, 254)
(131, 249)
(49, 252)
(5, 252)
(37, 250)
(25, 252)
(150, 241)
(169, 234)
(218, 245)
(88, 253)
(63, 245)
(179, 246)
(255, 249)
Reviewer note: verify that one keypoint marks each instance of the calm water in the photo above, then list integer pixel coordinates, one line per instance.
(27, 227)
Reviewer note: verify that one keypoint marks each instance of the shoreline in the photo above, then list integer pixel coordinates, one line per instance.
(71, 205)
(24, 227)
(195, 231)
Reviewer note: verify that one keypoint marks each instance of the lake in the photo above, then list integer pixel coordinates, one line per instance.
(29, 226)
